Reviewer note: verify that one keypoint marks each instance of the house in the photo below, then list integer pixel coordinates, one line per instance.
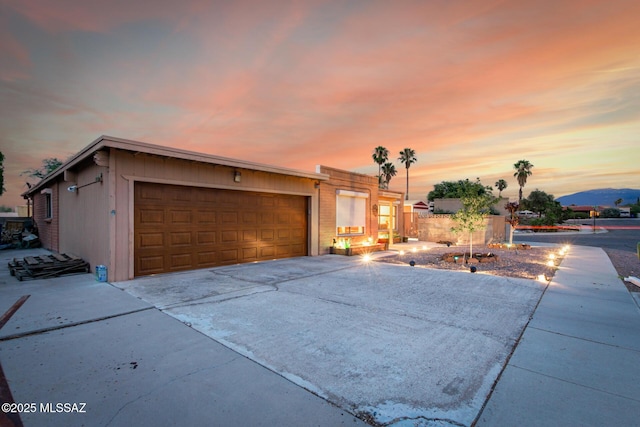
(143, 209)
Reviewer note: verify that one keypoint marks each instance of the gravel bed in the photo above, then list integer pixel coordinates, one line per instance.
(626, 264)
(522, 263)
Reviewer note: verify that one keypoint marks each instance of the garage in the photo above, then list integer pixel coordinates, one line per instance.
(182, 228)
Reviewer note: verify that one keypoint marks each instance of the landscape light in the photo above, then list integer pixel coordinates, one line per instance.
(424, 248)
(551, 263)
(366, 258)
(414, 250)
(542, 278)
(401, 252)
(552, 256)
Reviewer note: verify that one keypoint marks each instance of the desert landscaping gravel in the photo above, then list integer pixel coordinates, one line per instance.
(522, 263)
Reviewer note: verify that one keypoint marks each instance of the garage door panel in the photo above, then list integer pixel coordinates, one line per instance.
(151, 264)
(151, 240)
(250, 254)
(229, 255)
(180, 228)
(249, 218)
(206, 237)
(249, 235)
(207, 259)
(229, 236)
(180, 261)
(151, 216)
(180, 238)
(205, 216)
(267, 252)
(267, 218)
(229, 218)
(181, 216)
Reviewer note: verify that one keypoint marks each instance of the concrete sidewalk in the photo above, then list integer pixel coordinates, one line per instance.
(577, 362)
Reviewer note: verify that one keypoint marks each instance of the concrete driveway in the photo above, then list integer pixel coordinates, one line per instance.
(407, 346)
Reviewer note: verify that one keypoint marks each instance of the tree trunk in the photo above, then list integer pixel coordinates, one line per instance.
(406, 196)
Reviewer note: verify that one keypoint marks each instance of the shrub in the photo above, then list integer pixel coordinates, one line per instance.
(610, 213)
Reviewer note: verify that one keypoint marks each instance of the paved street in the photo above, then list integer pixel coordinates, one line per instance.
(622, 234)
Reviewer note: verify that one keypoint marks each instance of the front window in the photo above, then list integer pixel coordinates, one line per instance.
(350, 212)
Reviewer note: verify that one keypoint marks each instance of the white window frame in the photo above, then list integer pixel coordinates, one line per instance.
(351, 212)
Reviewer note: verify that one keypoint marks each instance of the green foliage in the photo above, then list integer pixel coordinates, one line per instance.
(4, 208)
(579, 215)
(501, 184)
(48, 165)
(523, 171)
(538, 201)
(380, 156)
(388, 172)
(458, 189)
(610, 213)
(471, 217)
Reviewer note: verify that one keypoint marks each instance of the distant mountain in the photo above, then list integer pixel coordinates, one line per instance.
(602, 196)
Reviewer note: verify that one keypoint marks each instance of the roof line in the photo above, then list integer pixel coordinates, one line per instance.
(106, 141)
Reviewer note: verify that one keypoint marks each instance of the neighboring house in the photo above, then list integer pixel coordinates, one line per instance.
(412, 208)
(143, 209)
(586, 209)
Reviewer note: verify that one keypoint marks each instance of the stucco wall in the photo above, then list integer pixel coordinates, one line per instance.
(84, 214)
(434, 228)
(127, 167)
(345, 180)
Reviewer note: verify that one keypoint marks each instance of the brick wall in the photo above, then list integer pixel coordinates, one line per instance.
(434, 228)
(345, 180)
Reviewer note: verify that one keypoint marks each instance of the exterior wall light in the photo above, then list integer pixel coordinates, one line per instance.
(237, 176)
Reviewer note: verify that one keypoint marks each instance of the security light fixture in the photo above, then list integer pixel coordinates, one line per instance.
(237, 176)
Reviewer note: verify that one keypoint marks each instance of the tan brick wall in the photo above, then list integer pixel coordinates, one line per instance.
(345, 180)
(434, 228)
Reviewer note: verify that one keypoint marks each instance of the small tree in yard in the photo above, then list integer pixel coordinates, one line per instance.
(471, 217)
(513, 219)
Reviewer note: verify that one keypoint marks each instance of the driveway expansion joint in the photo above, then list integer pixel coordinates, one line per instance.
(575, 383)
(71, 325)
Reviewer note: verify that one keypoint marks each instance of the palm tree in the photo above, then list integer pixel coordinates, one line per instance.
(618, 202)
(523, 171)
(501, 184)
(380, 156)
(388, 171)
(407, 156)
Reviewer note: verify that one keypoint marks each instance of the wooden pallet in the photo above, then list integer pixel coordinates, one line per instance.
(46, 266)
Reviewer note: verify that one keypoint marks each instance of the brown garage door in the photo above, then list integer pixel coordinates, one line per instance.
(181, 228)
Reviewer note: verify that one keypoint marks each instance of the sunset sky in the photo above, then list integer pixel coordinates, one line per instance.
(471, 86)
